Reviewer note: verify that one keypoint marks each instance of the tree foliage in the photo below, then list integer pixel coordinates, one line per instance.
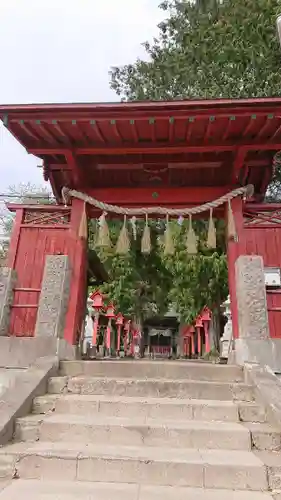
(144, 285)
(207, 49)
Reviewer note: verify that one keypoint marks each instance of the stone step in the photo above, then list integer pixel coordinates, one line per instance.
(137, 431)
(174, 370)
(229, 469)
(251, 412)
(264, 436)
(122, 406)
(63, 490)
(191, 389)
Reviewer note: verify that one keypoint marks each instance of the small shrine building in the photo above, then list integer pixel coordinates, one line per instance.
(138, 155)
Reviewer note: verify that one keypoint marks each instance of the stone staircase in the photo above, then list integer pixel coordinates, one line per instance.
(144, 430)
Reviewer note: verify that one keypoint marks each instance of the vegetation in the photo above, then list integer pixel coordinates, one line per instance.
(204, 49)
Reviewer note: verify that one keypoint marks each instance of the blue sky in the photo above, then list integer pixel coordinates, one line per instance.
(61, 51)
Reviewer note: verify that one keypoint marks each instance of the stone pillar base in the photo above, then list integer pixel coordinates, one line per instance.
(263, 351)
(20, 352)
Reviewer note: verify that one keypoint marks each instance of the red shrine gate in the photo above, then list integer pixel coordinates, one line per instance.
(173, 154)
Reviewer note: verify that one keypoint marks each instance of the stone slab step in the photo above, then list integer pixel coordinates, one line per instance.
(137, 431)
(264, 436)
(122, 406)
(231, 470)
(191, 389)
(153, 369)
(63, 490)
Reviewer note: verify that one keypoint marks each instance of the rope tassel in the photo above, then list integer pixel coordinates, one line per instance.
(123, 243)
(169, 248)
(231, 223)
(211, 240)
(103, 235)
(146, 240)
(191, 240)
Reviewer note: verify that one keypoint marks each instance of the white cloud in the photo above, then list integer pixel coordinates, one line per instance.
(61, 51)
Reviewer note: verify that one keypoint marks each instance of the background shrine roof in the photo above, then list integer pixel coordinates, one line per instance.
(179, 143)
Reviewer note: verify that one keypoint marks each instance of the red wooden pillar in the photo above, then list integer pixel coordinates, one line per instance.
(234, 250)
(77, 251)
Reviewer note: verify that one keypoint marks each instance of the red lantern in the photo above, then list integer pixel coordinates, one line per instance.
(206, 314)
(97, 299)
(199, 322)
(198, 325)
(127, 325)
(110, 311)
(119, 322)
(119, 319)
(206, 317)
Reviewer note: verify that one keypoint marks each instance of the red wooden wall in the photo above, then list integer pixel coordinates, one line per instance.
(264, 238)
(37, 233)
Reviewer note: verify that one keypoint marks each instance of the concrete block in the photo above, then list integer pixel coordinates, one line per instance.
(160, 388)
(7, 283)
(264, 437)
(142, 471)
(172, 493)
(272, 462)
(130, 407)
(147, 432)
(46, 467)
(69, 490)
(27, 428)
(44, 404)
(18, 398)
(251, 412)
(57, 385)
(173, 370)
(225, 470)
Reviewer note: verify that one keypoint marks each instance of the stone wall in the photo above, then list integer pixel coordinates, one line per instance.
(254, 344)
(251, 297)
(7, 284)
(54, 297)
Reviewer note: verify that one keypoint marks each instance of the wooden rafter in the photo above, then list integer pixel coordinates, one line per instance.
(46, 133)
(251, 123)
(97, 131)
(28, 130)
(264, 127)
(72, 162)
(238, 163)
(114, 128)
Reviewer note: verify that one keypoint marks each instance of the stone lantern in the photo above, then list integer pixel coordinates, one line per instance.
(226, 339)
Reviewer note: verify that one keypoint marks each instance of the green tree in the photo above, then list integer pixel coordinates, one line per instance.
(139, 284)
(207, 49)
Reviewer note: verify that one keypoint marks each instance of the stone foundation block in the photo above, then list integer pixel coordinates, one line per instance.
(7, 283)
(54, 297)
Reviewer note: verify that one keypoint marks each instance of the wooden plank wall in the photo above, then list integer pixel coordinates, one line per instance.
(266, 241)
(33, 246)
(30, 243)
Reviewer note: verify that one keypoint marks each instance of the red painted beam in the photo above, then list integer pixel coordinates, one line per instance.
(170, 166)
(13, 207)
(155, 197)
(262, 207)
(163, 149)
(268, 105)
(76, 172)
